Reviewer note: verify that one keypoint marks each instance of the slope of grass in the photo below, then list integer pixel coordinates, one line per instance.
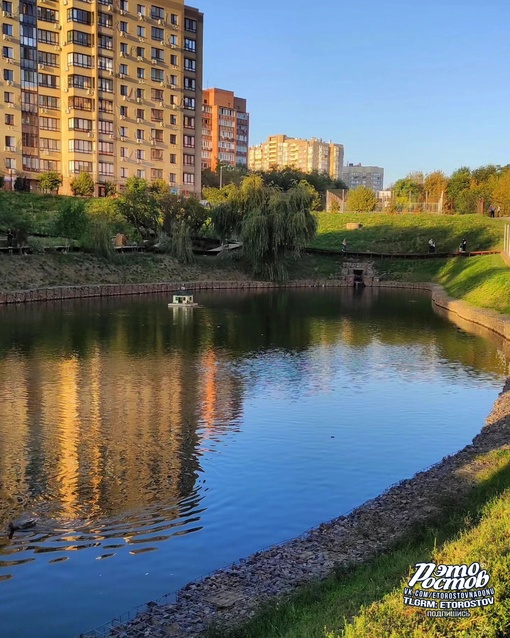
(386, 233)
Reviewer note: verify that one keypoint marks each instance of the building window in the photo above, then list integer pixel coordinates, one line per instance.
(156, 135)
(190, 65)
(157, 13)
(10, 163)
(190, 84)
(47, 37)
(157, 34)
(174, 19)
(123, 27)
(123, 172)
(81, 38)
(105, 127)
(8, 97)
(10, 142)
(79, 124)
(140, 114)
(123, 111)
(190, 44)
(174, 60)
(123, 131)
(76, 166)
(47, 15)
(173, 119)
(157, 95)
(49, 81)
(106, 168)
(189, 178)
(81, 103)
(140, 134)
(189, 141)
(189, 122)
(123, 49)
(123, 89)
(79, 15)
(105, 20)
(190, 25)
(188, 160)
(7, 29)
(105, 106)
(8, 75)
(156, 173)
(189, 103)
(80, 59)
(9, 120)
(105, 64)
(48, 102)
(140, 73)
(80, 146)
(156, 115)
(172, 178)
(140, 94)
(123, 151)
(157, 54)
(80, 81)
(173, 158)
(157, 154)
(173, 139)
(140, 10)
(105, 42)
(48, 59)
(157, 75)
(123, 69)
(140, 154)
(140, 173)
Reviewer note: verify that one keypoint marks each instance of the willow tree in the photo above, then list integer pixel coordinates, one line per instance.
(272, 224)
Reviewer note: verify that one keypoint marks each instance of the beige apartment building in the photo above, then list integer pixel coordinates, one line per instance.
(225, 129)
(111, 87)
(304, 155)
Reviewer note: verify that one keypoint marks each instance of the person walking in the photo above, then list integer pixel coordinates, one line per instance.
(492, 211)
(432, 246)
(344, 246)
(463, 246)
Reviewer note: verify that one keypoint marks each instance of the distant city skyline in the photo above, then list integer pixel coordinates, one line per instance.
(402, 86)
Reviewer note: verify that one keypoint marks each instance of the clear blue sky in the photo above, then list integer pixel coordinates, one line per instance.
(404, 85)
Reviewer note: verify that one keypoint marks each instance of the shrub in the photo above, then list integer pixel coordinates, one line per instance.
(82, 185)
(21, 184)
(72, 220)
(50, 181)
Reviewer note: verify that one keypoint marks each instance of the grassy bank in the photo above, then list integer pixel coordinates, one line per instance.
(409, 233)
(366, 601)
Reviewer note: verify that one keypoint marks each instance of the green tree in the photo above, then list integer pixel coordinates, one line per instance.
(361, 199)
(97, 237)
(271, 224)
(140, 207)
(110, 189)
(177, 209)
(410, 187)
(21, 184)
(315, 198)
(72, 220)
(500, 187)
(2, 181)
(435, 185)
(82, 185)
(460, 181)
(50, 181)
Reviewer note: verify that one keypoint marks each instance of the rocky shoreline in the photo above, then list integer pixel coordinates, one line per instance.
(232, 595)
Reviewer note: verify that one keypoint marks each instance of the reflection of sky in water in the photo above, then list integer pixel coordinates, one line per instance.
(155, 447)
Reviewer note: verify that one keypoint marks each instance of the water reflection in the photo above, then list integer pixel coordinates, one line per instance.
(112, 412)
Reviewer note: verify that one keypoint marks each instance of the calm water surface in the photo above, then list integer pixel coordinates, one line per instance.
(155, 445)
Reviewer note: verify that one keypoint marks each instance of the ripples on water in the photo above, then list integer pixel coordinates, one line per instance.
(126, 428)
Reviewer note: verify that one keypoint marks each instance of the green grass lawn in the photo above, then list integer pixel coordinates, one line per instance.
(409, 233)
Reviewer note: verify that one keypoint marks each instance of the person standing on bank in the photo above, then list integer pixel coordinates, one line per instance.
(492, 211)
(344, 246)
(463, 246)
(432, 246)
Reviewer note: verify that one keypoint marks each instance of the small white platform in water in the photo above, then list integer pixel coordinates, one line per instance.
(183, 299)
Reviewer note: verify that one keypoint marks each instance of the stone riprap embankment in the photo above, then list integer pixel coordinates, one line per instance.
(232, 595)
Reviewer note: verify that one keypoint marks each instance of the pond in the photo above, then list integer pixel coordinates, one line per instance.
(154, 445)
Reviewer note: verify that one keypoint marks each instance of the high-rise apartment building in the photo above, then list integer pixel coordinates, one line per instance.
(225, 129)
(357, 175)
(111, 87)
(304, 155)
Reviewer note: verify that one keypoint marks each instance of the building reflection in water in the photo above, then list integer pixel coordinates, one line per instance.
(105, 412)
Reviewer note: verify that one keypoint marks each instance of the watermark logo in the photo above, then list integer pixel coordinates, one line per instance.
(448, 590)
